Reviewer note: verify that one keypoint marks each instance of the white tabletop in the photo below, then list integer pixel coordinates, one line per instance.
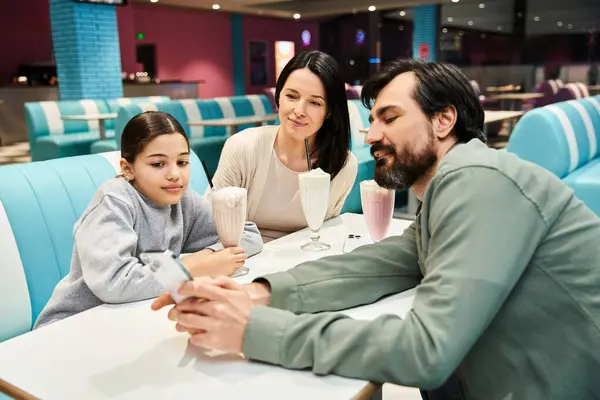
(495, 116)
(490, 116)
(89, 117)
(253, 119)
(516, 96)
(129, 352)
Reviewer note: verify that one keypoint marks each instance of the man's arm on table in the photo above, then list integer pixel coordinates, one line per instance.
(476, 255)
(339, 282)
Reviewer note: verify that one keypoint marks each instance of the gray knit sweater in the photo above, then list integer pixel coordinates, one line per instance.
(120, 224)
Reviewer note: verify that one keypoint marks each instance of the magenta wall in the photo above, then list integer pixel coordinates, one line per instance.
(24, 35)
(271, 30)
(191, 45)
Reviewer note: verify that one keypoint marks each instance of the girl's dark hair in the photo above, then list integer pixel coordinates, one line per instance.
(143, 128)
(438, 86)
(332, 141)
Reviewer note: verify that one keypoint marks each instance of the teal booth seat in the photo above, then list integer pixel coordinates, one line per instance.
(50, 136)
(39, 205)
(359, 119)
(565, 139)
(206, 141)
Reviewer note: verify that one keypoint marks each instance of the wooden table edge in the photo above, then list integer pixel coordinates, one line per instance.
(368, 391)
(15, 392)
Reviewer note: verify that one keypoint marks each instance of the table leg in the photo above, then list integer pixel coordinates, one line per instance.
(102, 129)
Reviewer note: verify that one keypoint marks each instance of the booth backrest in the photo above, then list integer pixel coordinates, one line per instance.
(44, 118)
(199, 109)
(39, 205)
(359, 119)
(115, 104)
(560, 137)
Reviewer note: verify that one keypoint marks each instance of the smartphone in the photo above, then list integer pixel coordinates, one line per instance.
(168, 271)
(353, 241)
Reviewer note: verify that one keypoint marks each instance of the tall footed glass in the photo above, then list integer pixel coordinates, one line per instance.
(378, 208)
(229, 208)
(314, 196)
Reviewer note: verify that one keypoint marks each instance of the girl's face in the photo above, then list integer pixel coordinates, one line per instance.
(302, 105)
(161, 172)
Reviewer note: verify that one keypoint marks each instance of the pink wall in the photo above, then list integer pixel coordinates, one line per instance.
(126, 23)
(24, 35)
(270, 30)
(190, 45)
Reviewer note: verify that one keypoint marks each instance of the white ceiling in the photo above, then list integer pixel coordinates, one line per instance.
(575, 15)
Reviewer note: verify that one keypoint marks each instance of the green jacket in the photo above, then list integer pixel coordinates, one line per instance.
(506, 262)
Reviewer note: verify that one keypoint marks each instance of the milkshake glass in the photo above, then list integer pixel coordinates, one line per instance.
(314, 196)
(229, 207)
(378, 208)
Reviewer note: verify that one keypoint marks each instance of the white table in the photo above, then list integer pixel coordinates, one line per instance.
(514, 98)
(129, 352)
(230, 123)
(101, 118)
(489, 117)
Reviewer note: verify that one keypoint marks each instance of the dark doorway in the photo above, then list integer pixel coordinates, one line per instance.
(146, 55)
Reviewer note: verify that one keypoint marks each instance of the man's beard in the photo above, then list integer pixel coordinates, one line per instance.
(404, 169)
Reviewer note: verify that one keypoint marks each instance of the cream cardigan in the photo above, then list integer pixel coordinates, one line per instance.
(245, 163)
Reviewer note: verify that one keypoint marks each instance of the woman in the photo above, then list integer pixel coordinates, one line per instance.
(311, 98)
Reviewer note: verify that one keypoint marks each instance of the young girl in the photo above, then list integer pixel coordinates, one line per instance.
(147, 209)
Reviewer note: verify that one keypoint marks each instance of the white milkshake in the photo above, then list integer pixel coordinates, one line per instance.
(229, 211)
(314, 196)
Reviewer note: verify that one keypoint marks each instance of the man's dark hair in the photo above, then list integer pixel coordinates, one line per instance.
(438, 87)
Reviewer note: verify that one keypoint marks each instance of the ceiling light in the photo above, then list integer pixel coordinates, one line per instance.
(450, 19)
(402, 13)
(445, 30)
(499, 27)
(559, 23)
(154, 1)
(481, 5)
(570, 26)
(536, 18)
(483, 35)
(297, 16)
(470, 23)
(372, 8)
(455, 1)
(216, 6)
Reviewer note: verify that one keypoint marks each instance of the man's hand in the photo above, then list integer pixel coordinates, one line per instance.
(216, 313)
(259, 293)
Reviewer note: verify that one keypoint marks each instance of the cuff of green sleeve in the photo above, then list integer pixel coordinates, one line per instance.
(284, 290)
(263, 338)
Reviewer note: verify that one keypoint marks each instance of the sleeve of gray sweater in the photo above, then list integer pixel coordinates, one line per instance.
(108, 259)
(203, 231)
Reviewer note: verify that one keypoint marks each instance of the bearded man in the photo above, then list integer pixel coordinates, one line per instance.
(505, 260)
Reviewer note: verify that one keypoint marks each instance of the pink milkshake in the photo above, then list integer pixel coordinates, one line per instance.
(378, 208)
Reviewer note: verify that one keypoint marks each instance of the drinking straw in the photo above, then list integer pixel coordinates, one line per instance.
(307, 154)
(207, 174)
